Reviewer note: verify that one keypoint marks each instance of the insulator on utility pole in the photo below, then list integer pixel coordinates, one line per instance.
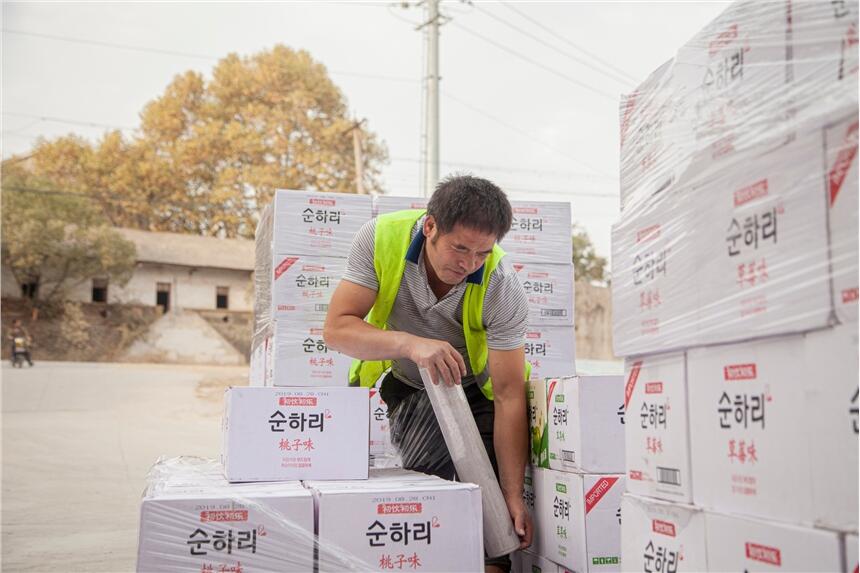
(431, 153)
(358, 152)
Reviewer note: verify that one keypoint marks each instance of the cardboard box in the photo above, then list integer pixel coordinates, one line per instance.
(656, 427)
(317, 224)
(299, 356)
(551, 350)
(761, 242)
(257, 365)
(550, 292)
(209, 525)
(540, 232)
(751, 445)
(824, 52)
(732, 73)
(654, 266)
(586, 424)
(579, 519)
(840, 151)
(538, 424)
(529, 562)
(742, 544)
(531, 486)
(272, 434)
(302, 287)
(653, 154)
(390, 203)
(432, 525)
(849, 543)
(661, 536)
(830, 409)
(380, 440)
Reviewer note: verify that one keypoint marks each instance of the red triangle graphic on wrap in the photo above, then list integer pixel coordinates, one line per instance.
(840, 169)
(631, 382)
(284, 266)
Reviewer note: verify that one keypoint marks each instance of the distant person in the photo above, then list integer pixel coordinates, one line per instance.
(20, 341)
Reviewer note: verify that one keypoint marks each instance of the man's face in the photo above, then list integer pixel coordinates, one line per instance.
(457, 254)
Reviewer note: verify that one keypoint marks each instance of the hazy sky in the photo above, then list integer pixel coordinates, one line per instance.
(524, 102)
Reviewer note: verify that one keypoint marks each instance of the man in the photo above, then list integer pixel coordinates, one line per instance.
(19, 332)
(438, 294)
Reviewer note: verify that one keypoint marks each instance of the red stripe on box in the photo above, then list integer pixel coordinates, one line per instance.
(596, 493)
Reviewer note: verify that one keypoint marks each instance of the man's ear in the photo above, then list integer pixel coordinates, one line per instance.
(430, 228)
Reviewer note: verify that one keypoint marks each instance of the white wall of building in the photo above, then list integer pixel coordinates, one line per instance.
(10, 287)
(190, 288)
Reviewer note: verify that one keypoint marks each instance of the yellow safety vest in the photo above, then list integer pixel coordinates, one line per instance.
(392, 240)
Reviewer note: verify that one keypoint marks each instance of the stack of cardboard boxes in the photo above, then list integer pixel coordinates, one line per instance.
(735, 296)
(540, 249)
(302, 243)
(575, 477)
(292, 491)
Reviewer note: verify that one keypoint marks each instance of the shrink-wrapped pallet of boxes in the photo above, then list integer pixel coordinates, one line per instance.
(735, 272)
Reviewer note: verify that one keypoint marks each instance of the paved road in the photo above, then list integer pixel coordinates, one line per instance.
(78, 439)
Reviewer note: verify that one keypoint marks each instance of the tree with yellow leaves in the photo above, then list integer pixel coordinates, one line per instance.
(210, 153)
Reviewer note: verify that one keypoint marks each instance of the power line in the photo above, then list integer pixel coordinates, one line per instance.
(401, 179)
(42, 118)
(556, 35)
(597, 174)
(509, 169)
(175, 53)
(544, 67)
(613, 76)
(524, 133)
(110, 198)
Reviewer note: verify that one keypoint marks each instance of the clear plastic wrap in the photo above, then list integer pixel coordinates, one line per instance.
(739, 183)
(467, 452)
(735, 283)
(193, 520)
(302, 241)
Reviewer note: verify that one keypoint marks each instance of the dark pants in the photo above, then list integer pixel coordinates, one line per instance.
(418, 437)
(24, 354)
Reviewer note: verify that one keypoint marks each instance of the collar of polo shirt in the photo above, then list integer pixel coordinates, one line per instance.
(414, 252)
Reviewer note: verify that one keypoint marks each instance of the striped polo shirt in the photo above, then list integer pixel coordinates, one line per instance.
(417, 310)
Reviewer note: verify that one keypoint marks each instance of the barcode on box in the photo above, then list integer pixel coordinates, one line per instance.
(553, 312)
(669, 476)
(567, 456)
(321, 308)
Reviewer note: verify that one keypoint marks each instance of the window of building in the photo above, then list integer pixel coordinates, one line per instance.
(162, 296)
(29, 290)
(222, 297)
(100, 290)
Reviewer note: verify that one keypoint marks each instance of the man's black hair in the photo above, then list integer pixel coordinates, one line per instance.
(472, 202)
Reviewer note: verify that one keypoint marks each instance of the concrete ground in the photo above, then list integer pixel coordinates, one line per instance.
(77, 442)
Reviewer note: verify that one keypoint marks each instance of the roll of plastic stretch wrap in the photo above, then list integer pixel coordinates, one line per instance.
(472, 463)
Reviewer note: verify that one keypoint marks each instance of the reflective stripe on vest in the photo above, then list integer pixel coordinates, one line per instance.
(392, 239)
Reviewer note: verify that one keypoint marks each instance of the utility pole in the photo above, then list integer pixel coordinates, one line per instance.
(357, 147)
(431, 151)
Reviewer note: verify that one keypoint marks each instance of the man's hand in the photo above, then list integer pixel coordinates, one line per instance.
(522, 521)
(439, 358)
